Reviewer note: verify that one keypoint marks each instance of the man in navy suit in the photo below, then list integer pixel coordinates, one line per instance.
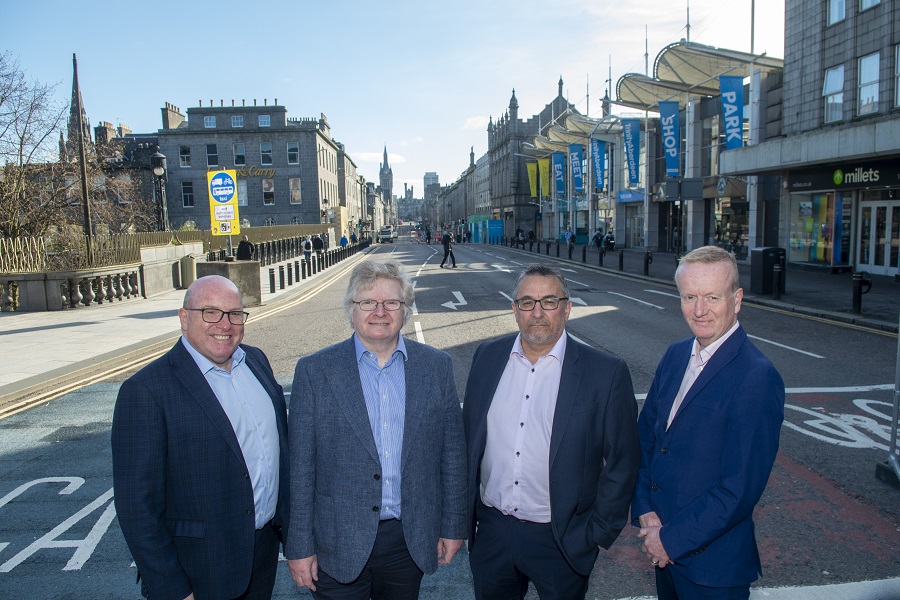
(199, 447)
(378, 459)
(551, 428)
(709, 435)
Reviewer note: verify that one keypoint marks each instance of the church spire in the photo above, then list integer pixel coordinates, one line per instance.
(75, 107)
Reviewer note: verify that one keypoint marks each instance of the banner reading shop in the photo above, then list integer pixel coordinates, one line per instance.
(223, 202)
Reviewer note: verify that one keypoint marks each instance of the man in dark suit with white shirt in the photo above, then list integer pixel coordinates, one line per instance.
(553, 450)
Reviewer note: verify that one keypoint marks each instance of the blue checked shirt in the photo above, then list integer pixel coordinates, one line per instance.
(384, 389)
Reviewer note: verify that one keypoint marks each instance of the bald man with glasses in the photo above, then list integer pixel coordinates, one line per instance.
(551, 430)
(200, 458)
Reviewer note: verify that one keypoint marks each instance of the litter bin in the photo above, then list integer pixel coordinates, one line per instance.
(188, 270)
(762, 263)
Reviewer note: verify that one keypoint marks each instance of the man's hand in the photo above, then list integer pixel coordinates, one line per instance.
(447, 549)
(653, 547)
(190, 596)
(305, 571)
(650, 519)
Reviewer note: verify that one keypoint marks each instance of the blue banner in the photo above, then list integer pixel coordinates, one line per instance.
(671, 137)
(598, 153)
(631, 131)
(577, 159)
(732, 91)
(559, 173)
(495, 228)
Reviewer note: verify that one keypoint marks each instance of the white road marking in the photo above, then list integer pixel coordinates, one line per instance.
(419, 335)
(662, 293)
(502, 268)
(783, 346)
(636, 300)
(460, 301)
(568, 270)
(507, 296)
(578, 301)
(577, 282)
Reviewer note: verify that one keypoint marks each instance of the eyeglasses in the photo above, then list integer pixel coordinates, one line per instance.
(214, 315)
(547, 303)
(370, 305)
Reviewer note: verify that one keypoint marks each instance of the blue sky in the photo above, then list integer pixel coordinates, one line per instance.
(418, 76)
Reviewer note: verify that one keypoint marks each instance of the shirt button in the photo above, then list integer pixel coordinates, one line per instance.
(377, 476)
(249, 511)
(517, 454)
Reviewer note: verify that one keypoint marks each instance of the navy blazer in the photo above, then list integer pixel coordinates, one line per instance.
(704, 475)
(336, 470)
(182, 491)
(594, 452)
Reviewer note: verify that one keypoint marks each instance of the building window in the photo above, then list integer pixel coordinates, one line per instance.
(268, 186)
(265, 120)
(265, 153)
(184, 156)
(833, 91)
(836, 10)
(294, 186)
(187, 194)
(237, 120)
(209, 122)
(897, 77)
(293, 149)
(864, 4)
(271, 222)
(242, 192)
(240, 155)
(212, 155)
(868, 84)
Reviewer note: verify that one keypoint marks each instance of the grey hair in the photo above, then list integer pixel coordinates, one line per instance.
(366, 274)
(541, 271)
(710, 255)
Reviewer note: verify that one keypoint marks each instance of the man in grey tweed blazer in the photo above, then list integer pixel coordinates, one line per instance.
(378, 462)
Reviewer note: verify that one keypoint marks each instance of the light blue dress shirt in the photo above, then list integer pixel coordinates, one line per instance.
(384, 389)
(252, 416)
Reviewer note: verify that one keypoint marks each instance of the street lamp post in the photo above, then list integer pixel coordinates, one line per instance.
(158, 166)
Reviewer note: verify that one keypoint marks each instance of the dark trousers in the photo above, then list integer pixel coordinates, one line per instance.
(389, 574)
(508, 553)
(448, 252)
(671, 585)
(265, 565)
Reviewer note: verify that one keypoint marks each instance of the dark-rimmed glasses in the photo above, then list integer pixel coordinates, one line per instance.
(214, 315)
(370, 305)
(547, 303)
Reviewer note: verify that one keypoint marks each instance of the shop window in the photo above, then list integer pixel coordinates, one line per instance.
(240, 155)
(187, 194)
(868, 84)
(237, 120)
(836, 11)
(268, 187)
(820, 229)
(265, 153)
(833, 91)
(184, 156)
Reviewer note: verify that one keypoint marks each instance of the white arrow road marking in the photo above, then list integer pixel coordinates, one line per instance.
(460, 301)
(636, 300)
(578, 301)
(502, 268)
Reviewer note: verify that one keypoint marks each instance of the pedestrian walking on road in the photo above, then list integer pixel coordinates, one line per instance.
(447, 241)
(551, 432)
(200, 457)
(378, 460)
(709, 433)
(570, 241)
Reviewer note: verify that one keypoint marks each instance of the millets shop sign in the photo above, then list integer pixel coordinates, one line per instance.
(846, 177)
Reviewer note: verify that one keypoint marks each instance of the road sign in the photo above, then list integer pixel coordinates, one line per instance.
(223, 202)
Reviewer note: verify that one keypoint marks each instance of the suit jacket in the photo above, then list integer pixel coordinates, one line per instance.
(182, 490)
(704, 475)
(336, 471)
(594, 452)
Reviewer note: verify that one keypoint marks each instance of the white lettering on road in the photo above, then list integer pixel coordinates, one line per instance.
(83, 548)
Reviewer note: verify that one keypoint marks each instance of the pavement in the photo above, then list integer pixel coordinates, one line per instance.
(43, 349)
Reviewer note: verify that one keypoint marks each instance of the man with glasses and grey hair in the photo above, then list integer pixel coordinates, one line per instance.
(551, 429)
(378, 465)
(200, 463)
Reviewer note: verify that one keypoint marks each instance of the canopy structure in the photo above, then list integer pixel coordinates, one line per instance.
(687, 68)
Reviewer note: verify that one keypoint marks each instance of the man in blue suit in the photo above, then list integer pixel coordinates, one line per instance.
(199, 447)
(709, 435)
(378, 462)
(551, 428)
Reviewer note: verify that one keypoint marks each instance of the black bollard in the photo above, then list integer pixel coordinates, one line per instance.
(290, 275)
(271, 281)
(601, 253)
(297, 271)
(621, 260)
(857, 293)
(648, 258)
(280, 277)
(776, 282)
(303, 266)
(531, 246)
(557, 248)
(584, 253)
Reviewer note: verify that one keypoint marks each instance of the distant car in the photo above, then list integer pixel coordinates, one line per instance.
(386, 236)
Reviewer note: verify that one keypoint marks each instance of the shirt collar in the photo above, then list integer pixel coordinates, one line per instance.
(361, 349)
(207, 365)
(706, 353)
(558, 351)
